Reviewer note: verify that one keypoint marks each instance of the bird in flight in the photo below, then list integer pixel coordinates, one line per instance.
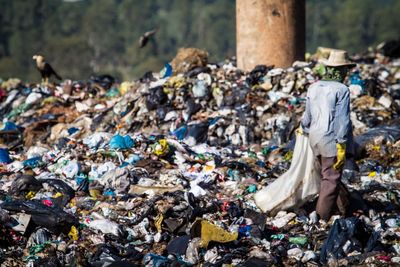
(144, 39)
(45, 69)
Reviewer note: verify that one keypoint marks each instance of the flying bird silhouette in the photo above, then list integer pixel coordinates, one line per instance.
(45, 69)
(144, 39)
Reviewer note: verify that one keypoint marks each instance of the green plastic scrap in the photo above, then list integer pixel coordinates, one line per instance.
(31, 258)
(252, 154)
(34, 250)
(252, 188)
(298, 240)
(38, 248)
(294, 101)
(18, 110)
(208, 156)
(239, 197)
(278, 236)
(112, 92)
(266, 150)
(233, 175)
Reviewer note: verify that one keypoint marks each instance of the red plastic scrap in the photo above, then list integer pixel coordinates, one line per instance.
(383, 258)
(225, 206)
(47, 202)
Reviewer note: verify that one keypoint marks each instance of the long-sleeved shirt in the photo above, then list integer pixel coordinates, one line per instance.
(327, 117)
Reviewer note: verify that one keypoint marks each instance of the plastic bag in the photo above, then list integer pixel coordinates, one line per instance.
(388, 133)
(24, 184)
(296, 186)
(121, 142)
(211, 232)
(156, 98)
(346, 236)
(106, 227)
(4, 156)
(53, 218)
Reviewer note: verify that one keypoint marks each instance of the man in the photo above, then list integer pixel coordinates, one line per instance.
(327, 122)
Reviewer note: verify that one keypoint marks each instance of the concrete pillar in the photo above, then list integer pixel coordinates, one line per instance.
(270, 32)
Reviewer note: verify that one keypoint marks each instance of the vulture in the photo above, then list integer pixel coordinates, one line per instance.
(45, 68)
(144, 39)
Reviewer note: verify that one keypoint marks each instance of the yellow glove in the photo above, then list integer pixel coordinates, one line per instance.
(340, 156)
(299, 131)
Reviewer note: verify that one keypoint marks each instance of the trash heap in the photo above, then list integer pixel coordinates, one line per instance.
(161, 171)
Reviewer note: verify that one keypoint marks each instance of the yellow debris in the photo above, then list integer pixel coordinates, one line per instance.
(57, 195)
(210, 232)
(175, 82)
(124, 87)
(94, 193)
(30, 195)
(158, 221)
(73, 233)
(161, 147)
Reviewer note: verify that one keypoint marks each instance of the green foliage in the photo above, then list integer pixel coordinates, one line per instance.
(353, 25)
(80, 38)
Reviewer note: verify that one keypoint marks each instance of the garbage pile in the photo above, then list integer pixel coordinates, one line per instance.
(161, 171)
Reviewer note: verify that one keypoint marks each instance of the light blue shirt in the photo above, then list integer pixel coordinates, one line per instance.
(327, 117)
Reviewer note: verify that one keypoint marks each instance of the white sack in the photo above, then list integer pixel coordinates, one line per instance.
(296, 186)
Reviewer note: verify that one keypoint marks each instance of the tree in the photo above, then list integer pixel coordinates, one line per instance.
(101, 36)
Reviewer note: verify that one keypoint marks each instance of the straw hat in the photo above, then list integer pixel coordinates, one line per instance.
(337, 58)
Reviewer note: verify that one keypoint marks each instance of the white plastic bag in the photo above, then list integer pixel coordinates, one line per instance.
(296, 186)
(105, 226)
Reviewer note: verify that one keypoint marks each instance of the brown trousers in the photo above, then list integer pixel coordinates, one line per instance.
(330, 189)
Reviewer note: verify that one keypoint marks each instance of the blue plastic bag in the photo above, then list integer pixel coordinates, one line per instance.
(121, 142)
(180, 133)
(4, 156)
(166, 71)
(32, 162)
(156, 260)
(9, 126)
(133, 159)
(355, 78)
(72, 130)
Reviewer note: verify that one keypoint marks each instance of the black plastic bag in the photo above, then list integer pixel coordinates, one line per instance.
(53, 218)
(348, 235)
(60, 186)
(105, 80)
(179, 245)
(196, 71)
(198, 131)
(257, 74)
(23, 184)
(104, 255)
(389, 133)
(156, 98)
(192, 107)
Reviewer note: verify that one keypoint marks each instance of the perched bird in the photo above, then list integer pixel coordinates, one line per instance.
(45, 68)
(144, 39)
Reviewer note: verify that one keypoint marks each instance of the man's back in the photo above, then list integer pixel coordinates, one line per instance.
(327, 116)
